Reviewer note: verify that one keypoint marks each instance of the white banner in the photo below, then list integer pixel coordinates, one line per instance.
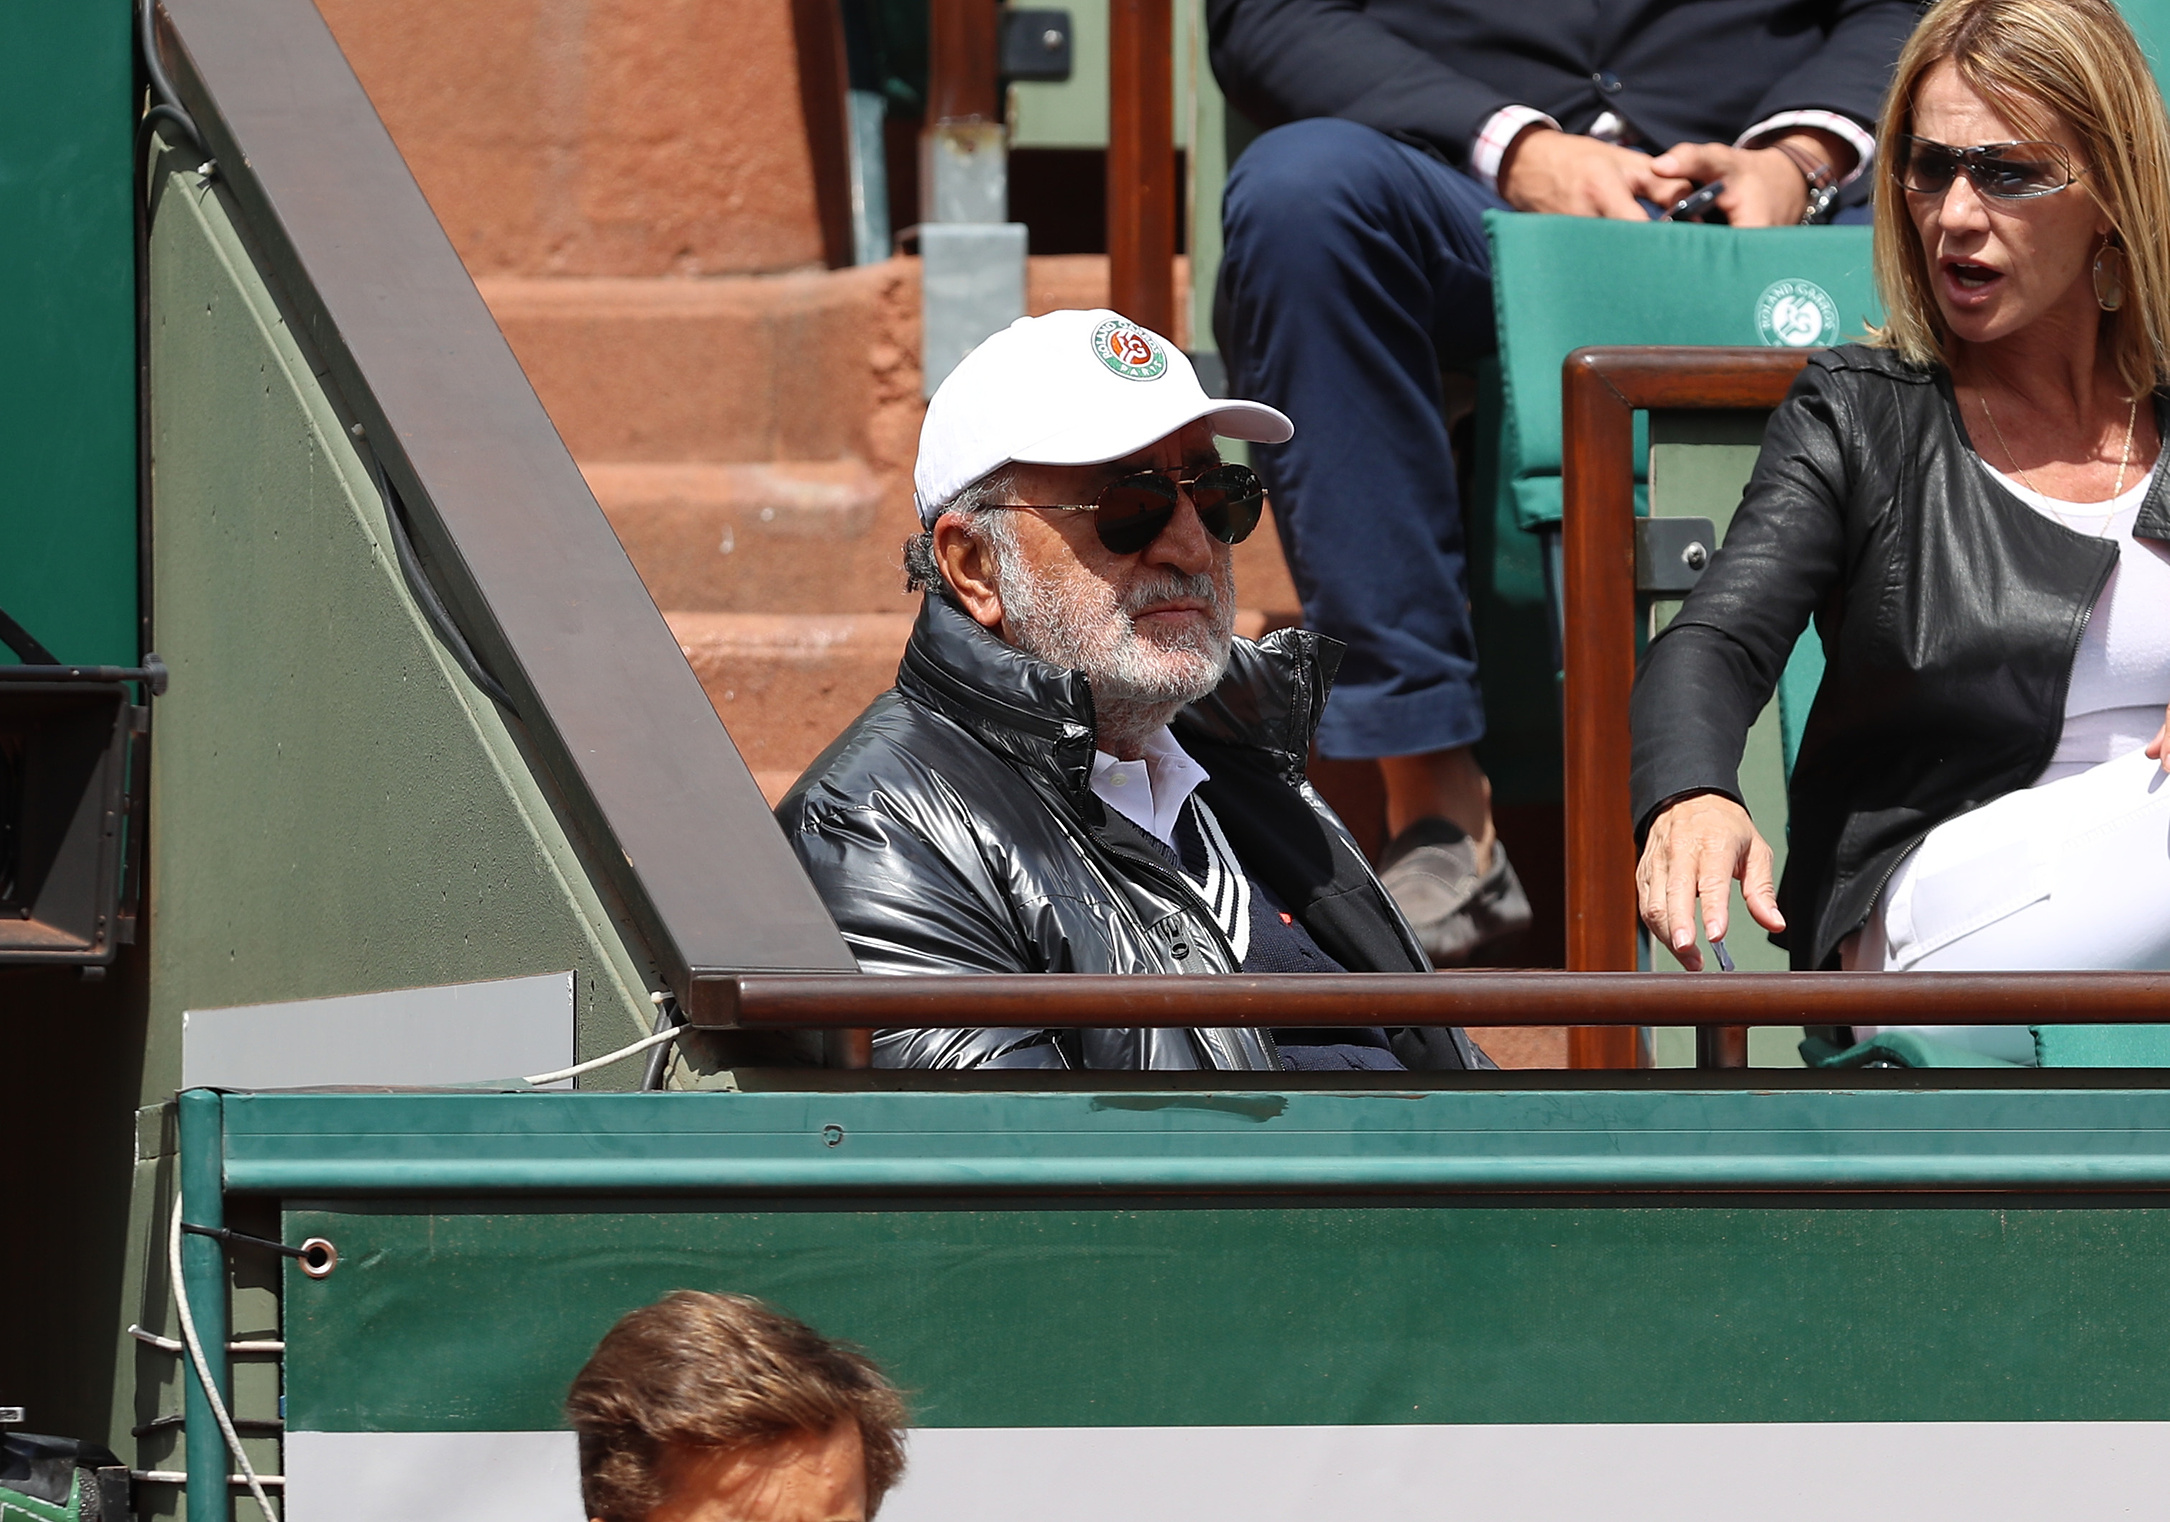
(1806, 1472)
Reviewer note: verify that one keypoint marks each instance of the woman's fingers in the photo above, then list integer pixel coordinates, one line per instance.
(1684, 880)
(1715, 867)
(2159, 747)
(1683, 870)
(1653, 883)
(1654, 888)
(1758, 890)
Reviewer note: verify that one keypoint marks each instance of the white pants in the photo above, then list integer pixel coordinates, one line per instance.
(2072, 875)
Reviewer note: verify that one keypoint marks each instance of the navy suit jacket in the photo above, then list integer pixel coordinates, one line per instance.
(1431, 71)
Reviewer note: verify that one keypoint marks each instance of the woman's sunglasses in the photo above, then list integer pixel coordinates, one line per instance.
(2002, 171)
(1129, 514)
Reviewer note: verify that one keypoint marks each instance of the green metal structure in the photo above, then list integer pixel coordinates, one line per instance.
(1162, 1262)
(425, 729)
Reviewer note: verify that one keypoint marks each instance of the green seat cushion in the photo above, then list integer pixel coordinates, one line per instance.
(1797, 686)
(1898, 1049)
(1564, 283)
(2102, 1046)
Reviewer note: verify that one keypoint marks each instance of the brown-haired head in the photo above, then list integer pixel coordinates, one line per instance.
(2040, 63)
(699, 1371)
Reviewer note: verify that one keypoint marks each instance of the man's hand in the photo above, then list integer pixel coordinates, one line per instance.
(1545, 169)
(1764, 187)
(1695, 850)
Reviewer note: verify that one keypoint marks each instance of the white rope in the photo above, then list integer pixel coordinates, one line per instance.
(203, 1370)
(623, 1052)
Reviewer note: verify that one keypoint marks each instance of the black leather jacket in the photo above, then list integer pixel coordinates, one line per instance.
(953, 828)
(1949, 613)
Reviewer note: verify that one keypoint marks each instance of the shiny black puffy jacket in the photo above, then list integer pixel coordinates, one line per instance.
(953, 829)
(1949, 613)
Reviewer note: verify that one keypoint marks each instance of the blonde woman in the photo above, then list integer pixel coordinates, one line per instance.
(1971, 509)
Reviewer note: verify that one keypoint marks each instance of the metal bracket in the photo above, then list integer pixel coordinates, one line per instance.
(1671, 553)
(1036, 45)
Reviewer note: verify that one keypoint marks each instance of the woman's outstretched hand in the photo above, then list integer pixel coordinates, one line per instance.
(1695, 850)
(2159, 747)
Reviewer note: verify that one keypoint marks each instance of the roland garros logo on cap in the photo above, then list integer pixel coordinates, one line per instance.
(1129, 350)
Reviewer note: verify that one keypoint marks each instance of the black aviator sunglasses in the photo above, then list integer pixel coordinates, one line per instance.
(1129, 514)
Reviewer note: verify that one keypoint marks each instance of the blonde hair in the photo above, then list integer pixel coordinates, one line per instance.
(2041, 63)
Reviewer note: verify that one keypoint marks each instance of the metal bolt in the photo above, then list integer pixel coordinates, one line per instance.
(832, 1136)
(1695, 557)
(1051, 39)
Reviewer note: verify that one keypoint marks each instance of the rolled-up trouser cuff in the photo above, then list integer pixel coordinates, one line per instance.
(1360, 726)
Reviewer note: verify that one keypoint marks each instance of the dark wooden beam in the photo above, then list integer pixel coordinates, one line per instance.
(1620, 1000)
(1141, 162)
(963, 61)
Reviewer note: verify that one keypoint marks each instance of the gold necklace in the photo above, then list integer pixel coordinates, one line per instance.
(2124, 461)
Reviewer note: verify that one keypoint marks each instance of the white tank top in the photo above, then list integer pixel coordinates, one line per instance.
(2121, 675)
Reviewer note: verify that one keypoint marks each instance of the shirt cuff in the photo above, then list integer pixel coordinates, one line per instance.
(1497, 135)
(1846, 127)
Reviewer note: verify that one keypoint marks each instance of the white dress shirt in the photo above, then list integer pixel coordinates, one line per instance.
(1151, 791)
(1503, 126)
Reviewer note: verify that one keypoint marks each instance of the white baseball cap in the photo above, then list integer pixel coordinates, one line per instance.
(1069, 388)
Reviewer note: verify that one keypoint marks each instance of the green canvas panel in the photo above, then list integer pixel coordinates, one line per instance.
(68, 329)
(1564, 283)
(335, 809)
(473, 1315)
(2102, 1046)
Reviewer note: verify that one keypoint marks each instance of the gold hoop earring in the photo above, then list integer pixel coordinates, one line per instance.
(2110, 277)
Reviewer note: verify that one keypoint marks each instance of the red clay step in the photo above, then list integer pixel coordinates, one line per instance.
(789, 537)
(786, 684)
(661, 138)
(742, 368)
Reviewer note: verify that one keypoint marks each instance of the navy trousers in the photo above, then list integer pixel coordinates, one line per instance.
(1356, 268)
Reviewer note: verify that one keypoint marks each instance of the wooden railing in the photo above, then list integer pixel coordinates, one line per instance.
(1606, 1001)
(1602, 390)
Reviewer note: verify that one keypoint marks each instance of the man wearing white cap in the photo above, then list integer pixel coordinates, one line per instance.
(1080, 769)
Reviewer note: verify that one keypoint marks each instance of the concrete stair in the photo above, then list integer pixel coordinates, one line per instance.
(751, 440)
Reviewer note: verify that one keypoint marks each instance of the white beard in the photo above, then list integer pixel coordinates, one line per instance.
(1078, 622)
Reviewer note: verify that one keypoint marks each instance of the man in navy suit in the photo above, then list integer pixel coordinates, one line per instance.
(1357, 268)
